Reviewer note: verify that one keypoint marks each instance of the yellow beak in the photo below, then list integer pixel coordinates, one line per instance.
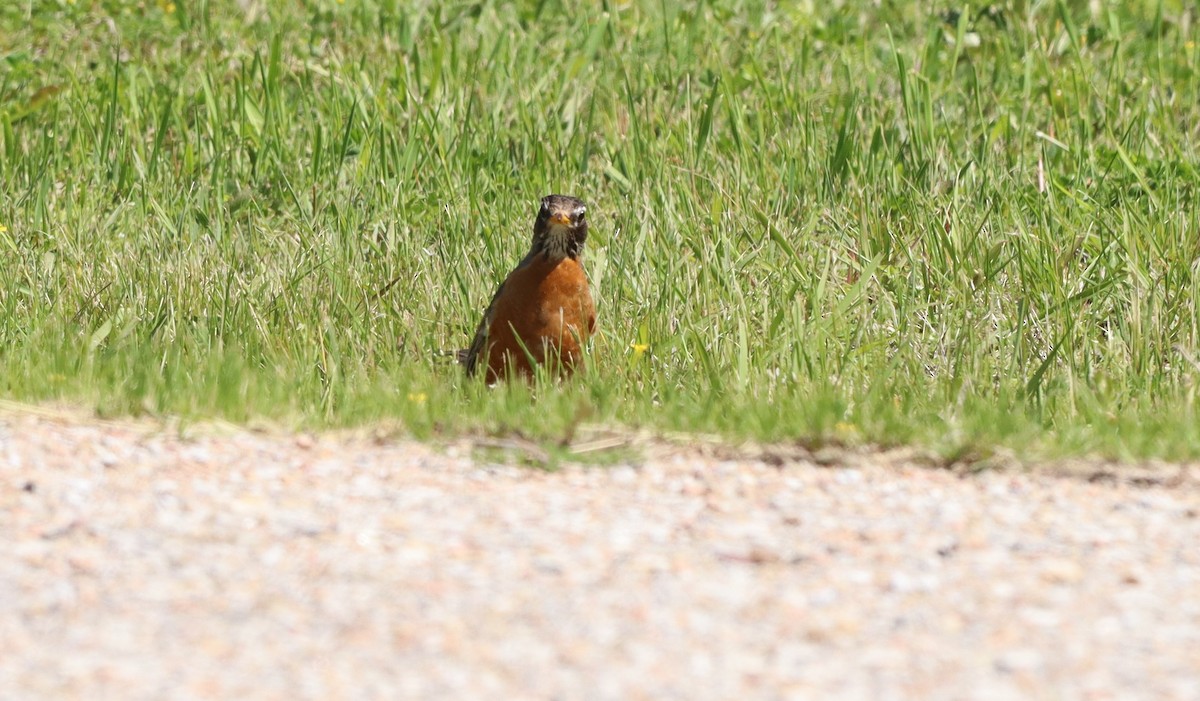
(561, 218)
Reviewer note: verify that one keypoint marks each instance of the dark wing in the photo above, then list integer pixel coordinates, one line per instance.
(470, 357)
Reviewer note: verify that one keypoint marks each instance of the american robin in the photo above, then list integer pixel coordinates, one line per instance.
(543, 311)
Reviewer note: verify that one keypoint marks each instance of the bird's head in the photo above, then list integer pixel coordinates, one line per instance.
(561, 227)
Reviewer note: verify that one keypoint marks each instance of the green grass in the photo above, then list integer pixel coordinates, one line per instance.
(953, 227)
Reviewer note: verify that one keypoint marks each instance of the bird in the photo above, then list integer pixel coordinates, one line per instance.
(543, 312)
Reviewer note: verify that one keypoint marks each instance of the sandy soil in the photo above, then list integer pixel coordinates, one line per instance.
(139, 564)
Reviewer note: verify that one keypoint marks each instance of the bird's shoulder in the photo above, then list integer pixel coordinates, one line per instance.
(483, 329)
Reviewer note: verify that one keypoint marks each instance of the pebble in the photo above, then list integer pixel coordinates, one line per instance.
(251, 565)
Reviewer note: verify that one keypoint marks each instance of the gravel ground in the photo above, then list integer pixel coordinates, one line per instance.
(142, 565)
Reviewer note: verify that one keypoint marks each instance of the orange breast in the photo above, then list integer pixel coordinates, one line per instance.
(545, 311)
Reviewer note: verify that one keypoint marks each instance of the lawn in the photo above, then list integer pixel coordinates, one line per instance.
(956, 227)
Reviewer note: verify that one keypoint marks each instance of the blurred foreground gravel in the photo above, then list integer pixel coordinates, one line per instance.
(139, 565)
